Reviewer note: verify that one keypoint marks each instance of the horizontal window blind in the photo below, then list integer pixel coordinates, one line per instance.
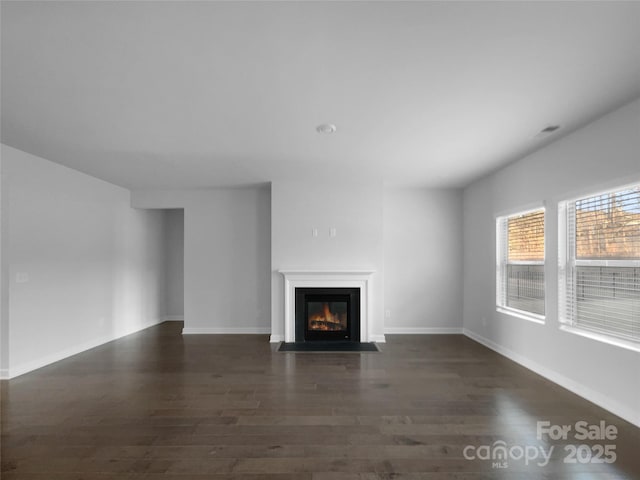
(526, 237)
(525, 288)
(520, 279)
(602, 271)
(607, 226)
(607, 300)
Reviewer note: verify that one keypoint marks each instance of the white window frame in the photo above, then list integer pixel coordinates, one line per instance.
(501, 264)
(567, 263)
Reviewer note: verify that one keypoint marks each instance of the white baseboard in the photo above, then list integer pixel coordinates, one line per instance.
(377, 338)
(227, 331)
(422, 330)
(587, 393)
(173, 318)
(4, 374)
(276, 338)
(27, 367)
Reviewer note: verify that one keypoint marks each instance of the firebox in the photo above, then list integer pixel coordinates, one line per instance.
(327, 314)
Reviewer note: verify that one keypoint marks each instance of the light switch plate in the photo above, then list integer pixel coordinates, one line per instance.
(22, 277)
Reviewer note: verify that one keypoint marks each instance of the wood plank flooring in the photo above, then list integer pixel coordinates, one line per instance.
(161, 406)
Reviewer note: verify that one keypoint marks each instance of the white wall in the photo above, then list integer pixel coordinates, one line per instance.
(227, 246)
(174, 263)
(355, 211)
(603, 154)
(226, 256)
(94, 265)
(4, 276)
(423, 261)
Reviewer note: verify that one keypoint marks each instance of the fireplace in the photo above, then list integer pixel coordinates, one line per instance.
(359, 279)
(327, 314)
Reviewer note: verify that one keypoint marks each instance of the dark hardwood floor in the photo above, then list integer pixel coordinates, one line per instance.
(160, 406)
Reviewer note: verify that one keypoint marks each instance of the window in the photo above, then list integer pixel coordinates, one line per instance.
(600, 264)
(520, 264)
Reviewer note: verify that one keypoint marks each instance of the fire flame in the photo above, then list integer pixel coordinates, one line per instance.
(327, 320)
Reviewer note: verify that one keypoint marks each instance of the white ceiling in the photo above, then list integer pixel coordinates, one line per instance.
(182, 94)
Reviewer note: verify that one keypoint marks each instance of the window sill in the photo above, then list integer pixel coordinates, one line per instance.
(532, 317)
(618, 342)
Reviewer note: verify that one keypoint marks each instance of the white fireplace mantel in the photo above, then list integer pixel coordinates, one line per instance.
(326, 278)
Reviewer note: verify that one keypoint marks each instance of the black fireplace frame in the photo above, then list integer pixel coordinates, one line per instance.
(350, 295)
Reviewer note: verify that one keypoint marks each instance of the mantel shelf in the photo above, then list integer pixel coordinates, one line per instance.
(326, 271)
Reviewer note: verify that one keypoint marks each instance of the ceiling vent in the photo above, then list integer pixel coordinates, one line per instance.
(548, 130)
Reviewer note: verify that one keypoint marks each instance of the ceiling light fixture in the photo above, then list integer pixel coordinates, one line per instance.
(326, 128)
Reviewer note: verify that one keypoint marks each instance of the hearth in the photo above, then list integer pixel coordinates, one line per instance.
(327, 314)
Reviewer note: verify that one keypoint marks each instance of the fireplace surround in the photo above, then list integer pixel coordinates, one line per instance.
(312, 278)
